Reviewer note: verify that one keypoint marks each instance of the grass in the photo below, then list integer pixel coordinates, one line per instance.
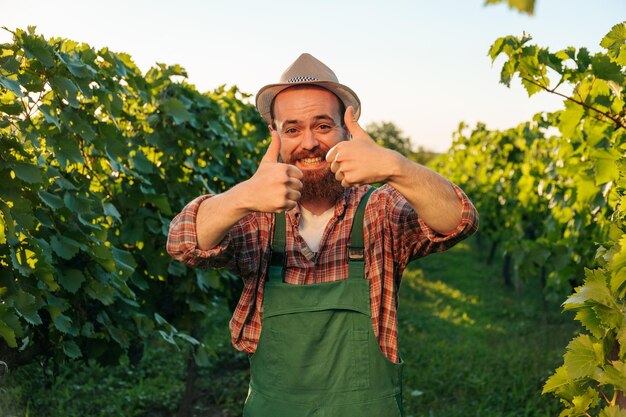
(472, 347)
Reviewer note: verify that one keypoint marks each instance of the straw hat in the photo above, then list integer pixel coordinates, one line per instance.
(306, 70)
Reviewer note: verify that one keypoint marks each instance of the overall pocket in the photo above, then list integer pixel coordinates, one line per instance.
(320, 351)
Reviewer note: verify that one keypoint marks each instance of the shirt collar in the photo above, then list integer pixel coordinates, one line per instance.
(340, 207)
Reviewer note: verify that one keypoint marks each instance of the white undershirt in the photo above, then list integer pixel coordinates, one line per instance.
(312, 227)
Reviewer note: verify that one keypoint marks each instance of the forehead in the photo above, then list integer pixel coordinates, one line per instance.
(303, 102)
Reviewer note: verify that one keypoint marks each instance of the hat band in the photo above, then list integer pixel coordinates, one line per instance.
(301, 79)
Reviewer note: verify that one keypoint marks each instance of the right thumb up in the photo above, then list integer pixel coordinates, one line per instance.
(273, 151)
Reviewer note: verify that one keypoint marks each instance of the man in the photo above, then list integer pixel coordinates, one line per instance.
(321, 253)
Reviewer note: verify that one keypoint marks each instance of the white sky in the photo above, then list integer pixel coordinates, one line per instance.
(421, 64)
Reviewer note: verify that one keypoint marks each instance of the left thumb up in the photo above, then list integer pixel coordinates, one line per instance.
(356, 131)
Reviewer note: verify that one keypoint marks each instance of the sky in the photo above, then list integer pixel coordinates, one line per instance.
(421, 64)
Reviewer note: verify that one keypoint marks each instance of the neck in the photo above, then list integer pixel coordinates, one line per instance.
(317, 206)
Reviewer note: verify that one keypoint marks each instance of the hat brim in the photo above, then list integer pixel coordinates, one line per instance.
(266, 95)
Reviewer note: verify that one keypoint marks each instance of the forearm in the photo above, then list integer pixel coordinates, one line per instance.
(431, 195)
(217, 215)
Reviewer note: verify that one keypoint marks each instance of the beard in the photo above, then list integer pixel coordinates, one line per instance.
(318, 184)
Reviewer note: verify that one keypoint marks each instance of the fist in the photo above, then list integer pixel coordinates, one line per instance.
(359, 160)
(275, 187)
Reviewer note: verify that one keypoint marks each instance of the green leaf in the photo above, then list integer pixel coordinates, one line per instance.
(119, 335)
(524, 6)
(98, 291)
(558, 380)
(580, 358)
(570, 118)
(162, 203)
(615, 43)
(582, 403)
(602, 67)
(618, 260)
(12, 109)
(168, 338)
(67, 89)
(621, 339)
(63, 324)
(594, 289)
(605, 165)
(11, 85)
(189, 339)
(201, 356)
(71, 349)
(10, 224)
(50, 118)
(77, 68)
(588, 318)
(110, 210)
(177, 110)
(125, 261)
(613, 374)
(207, 279)
(26, 306)
(76, 203)
(103, 256)
(53, 201)
(612, 411)
(9, 317)
(508, 70)
(71, 279)
(496, 48)
(142, 164)
(8, 335)
(39, 48)
(29, 173)
(64, 247)
(160, 319)
(67, 150)
(611, 317)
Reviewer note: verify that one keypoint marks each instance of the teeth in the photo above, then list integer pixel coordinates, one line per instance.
(311, 160)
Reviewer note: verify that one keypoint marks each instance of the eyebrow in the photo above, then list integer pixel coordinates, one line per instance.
(315, 118)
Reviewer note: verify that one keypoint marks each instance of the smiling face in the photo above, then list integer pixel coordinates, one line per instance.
(309, 122)
(307, 118)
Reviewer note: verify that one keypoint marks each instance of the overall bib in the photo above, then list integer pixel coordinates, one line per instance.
(317, 354)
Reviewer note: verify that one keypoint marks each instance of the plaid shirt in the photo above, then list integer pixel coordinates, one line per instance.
(393, 234)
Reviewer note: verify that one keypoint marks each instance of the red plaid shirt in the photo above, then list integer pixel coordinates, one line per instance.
(393, 234)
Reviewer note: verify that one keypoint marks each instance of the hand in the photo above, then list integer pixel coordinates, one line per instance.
(360, 160)
(275, 187)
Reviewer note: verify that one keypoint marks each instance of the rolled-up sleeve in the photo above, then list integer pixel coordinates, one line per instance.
(466, 227)
(413, 237)
(182, 240)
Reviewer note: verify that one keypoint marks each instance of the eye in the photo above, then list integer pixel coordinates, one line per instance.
(324, 127)
(291, 131)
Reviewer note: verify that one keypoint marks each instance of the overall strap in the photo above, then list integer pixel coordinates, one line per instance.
(356, 244)
(279, 242)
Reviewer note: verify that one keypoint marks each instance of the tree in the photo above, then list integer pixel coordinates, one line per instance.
(95, 159)
(387, 134)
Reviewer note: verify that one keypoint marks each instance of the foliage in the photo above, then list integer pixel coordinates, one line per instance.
(458, 326)
(523, 6)
(152, 388)
(552, 189)
(95, 158)
(390, 136)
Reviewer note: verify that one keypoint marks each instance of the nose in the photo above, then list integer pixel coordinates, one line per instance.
(309, 141)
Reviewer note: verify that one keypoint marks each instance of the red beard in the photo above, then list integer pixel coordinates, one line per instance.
(318, 183)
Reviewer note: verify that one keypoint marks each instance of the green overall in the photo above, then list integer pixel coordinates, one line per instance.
(317, 354)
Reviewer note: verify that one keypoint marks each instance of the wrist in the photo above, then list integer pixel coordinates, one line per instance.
(240, 198)
(396, 166)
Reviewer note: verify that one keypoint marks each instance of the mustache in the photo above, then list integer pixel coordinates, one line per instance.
(315, 153)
